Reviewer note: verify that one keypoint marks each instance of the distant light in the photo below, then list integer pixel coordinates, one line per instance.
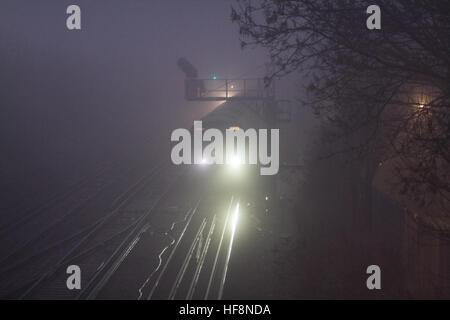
(234, 128)
(267, 198)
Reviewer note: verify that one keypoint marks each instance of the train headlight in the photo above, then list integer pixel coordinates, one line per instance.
(235, 162)
(235, 167)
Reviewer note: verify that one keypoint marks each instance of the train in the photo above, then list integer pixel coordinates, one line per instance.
(237, 177)
(249, 104)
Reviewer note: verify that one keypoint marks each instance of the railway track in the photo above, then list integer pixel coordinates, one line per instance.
(71, 199)
(199, 272)
(42, 221)
(36, 275)
(33, 212)
(26, 222)
(193, 264)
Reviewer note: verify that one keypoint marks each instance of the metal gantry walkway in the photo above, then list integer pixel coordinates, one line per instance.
(227, 89)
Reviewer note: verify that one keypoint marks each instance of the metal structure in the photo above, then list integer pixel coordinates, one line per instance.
(248, 90)
(227, 89)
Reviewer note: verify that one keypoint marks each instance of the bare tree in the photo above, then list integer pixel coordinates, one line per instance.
(384, 94)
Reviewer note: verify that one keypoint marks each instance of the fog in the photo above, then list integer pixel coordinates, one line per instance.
(87, 175)
(73, 99)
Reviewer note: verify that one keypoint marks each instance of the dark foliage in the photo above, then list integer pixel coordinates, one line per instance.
(383, 94)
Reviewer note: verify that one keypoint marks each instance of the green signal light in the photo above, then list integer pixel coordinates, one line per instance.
(214, 78)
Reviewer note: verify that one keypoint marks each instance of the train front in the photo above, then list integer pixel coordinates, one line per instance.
(232, 165)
